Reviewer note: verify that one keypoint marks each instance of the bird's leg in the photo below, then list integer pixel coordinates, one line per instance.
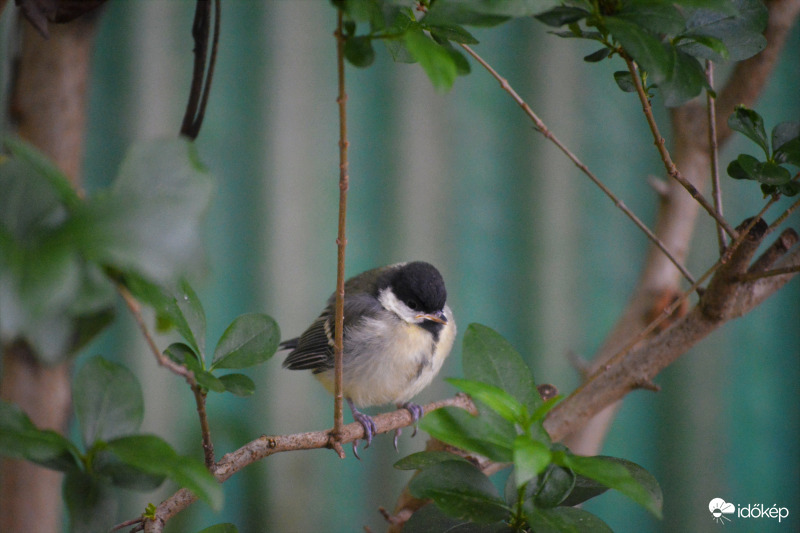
(366, 422)
(416, 411)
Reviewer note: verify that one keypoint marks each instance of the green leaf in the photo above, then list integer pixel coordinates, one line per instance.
(597, 56)
(458, 428)
(561, 15)
(431, 519)
(749, 123)
(149, 222)
(554, 486)
(788, 189)
(153, 455)
(740, 31)
(420, 460)
(191, 318)
(531, 457)
(489, 358)
(686, 80)
(643, 46)
(108, 401)
(123, 475)
(184, 355)
(220, 528)
(21, 439)
(625, 81)
(564, 520)
(585, 489)
(43, 166)
(450, 32)
(90, 501)
(653, 15)
(737, 171)
(250, 340)
(238, 384)
(786, 143)
(358, 51)
(460, 490)
(493, 397)
(434, 59)
(209, 381)
(628, 478)
(768, 172)
(687, 41)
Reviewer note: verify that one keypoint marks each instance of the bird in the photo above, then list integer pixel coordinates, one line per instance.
(398, 331)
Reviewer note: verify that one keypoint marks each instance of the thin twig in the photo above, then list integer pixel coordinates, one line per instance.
(205, 430)
(672, 170)
(127, 523)
(201, 85)
(542, 128)
(713, 147)
(751, 276)
(341, 240)
(778, 221)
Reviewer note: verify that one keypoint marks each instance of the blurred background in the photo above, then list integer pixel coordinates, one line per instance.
(526, 245)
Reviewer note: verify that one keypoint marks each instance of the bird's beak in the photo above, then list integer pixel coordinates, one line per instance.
(438, 316)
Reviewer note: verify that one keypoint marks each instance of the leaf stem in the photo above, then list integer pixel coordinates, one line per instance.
(669, 165)
(542, 128)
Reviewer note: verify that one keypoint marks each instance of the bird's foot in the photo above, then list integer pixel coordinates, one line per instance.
(416, 411)
(367, 423)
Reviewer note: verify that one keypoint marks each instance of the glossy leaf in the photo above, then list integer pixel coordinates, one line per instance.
(767, 172)
(21, 439)
(358, 51)
(786, 143)
(625, 81)
(561, 15)
(597, 56)
(209, 381)
(749, 123)
(238, 384)
(477, 434)
(153, 455)
(430, 519)
(433, 58)
(489, 358)
(460, 490)
(108, 401)
(624, 476)
(741, 32)
(564, 520)
(184, 355)
(584, 489)
(555, 484)
(250, 340)
(191, 319)
(644, 47)
(493, 397)
(653, 15)
(688, 41)
(686, 79)
(123, 475)
(531, 457)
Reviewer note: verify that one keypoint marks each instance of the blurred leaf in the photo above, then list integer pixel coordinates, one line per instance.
(560, 15)
(458, 428)
(555, 485)
(597, 56)
(786, 143)
(108, 401)
(238, 384)
(653, 15)
(149, 222)
(531, 457)
(624, 476)
(434, 59)
(584, 489)
(564, 520)
(153, 455)
(420, 460)
(220, 528)
(717, 46)
(451, 32)
(749, 123)
(460, 490)
(769, 173)
(250, 340)
(787, 189)
(358, 51)
(122, 474)
(43, 166)
(645, 48)
(740, 32)
(736, 171)
(21, 439)
(489, 358)
(625, 81)
(493, 397)
(90, 501)
(431, 519)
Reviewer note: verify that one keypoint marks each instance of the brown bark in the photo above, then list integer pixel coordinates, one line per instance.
(48, 105)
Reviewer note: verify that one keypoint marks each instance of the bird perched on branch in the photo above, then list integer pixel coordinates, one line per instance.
(398, 330)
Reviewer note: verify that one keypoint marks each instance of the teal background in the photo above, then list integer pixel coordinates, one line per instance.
(526, 244)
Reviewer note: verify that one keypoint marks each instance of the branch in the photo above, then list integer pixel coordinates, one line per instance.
(201, 87)
(265, 446)
(542, 128)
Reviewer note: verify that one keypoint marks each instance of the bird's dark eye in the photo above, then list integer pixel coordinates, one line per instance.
(412, 304)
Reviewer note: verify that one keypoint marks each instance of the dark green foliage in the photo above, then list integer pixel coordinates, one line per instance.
(783, 150)
(546, 479)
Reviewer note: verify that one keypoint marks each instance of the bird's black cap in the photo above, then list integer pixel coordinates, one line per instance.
(419, 285)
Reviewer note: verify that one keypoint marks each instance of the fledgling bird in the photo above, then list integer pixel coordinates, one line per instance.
(398, 330)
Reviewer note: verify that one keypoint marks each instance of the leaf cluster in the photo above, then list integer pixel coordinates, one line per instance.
(667, 39)
(251, 339)
(56, 247)
(109, 408)
(782, 148)
(546, 479)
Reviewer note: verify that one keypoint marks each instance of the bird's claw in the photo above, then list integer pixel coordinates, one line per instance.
(417, 412)
(369, 430)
